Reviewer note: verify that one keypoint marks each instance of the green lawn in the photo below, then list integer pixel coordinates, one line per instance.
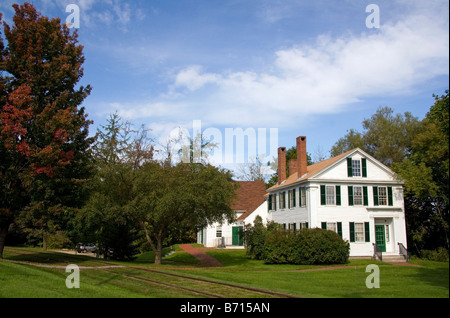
(430, 280)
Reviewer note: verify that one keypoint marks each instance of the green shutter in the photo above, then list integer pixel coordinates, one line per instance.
(306, 224)
(367, 231)
(275, 201)
(339, 228)
(375, 195)
(295, 226)
(349, 167)
(350, 195)
(352, 231)
(299, 196)
(364, 167)
(270, 202)
(338, 195)
(293, 197)
(390, 199)
(323, 198)
(324, 225)
(365, 196)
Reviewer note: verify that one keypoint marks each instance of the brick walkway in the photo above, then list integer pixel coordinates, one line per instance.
(205, 260)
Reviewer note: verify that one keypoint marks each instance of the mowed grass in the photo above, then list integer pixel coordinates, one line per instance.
(429, 280)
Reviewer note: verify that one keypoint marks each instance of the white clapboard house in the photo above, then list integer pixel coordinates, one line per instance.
(250, 202)
(352, 194)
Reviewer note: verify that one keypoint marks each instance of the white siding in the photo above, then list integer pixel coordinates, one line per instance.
(337, 175)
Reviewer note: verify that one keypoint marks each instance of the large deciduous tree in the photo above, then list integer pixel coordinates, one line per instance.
(166, 197)
(387, 136)
(426, 175)
(44, 137)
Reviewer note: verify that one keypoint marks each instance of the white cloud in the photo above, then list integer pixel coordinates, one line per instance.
(325, 77)
(191, 78)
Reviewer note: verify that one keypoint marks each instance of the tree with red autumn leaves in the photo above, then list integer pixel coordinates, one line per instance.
(44, 138)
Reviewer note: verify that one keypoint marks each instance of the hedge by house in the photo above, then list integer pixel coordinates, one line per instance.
(306, 246)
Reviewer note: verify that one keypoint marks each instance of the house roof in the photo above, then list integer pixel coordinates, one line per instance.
(250, 196)
(310, 171)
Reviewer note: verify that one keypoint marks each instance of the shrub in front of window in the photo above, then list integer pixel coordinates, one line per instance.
(306, 247)
(255, 236)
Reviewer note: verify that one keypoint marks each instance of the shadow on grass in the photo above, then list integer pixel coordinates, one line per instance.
(433, 273)
(48, 257)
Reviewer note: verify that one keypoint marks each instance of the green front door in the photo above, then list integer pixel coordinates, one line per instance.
(380, 237)
(237, 238)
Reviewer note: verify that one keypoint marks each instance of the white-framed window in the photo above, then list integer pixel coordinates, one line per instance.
(282, 200)
(357, 195)
(356, 168)
(302, 197)
(272, 202)
(332, 226)
(219, 231)
(382, 196)
(291, 198)
(359, 232)
(330, 195)
(303, 225)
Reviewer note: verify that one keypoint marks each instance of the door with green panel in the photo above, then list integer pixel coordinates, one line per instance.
(237, 237)
(380, 237)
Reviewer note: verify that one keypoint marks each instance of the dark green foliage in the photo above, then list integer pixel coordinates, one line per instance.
(306, 247)
(255, 236)
(439, 255)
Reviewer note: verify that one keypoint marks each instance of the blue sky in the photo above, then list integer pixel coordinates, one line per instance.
(310, 68)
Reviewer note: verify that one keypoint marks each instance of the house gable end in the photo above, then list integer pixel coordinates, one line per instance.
(368, 169)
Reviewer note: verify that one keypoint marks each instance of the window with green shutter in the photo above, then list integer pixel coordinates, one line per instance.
(302, 196)
(324, 225)
(291, 198)
(383, 196)
(273, 202)
(330, 195)
(357, 168)
(359, 232)
(282, 200)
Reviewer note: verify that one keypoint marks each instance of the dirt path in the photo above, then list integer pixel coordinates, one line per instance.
(205, 259)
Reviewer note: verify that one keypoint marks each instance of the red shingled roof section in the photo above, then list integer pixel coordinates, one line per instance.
(250, 196)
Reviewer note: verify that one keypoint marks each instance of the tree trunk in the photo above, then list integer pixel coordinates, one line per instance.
(44, 241)
(3, 232)
(158, 249)
(158, 252)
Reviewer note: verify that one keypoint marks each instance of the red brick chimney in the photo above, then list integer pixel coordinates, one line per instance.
(292, 166)
(281, 164)
(302, 159)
